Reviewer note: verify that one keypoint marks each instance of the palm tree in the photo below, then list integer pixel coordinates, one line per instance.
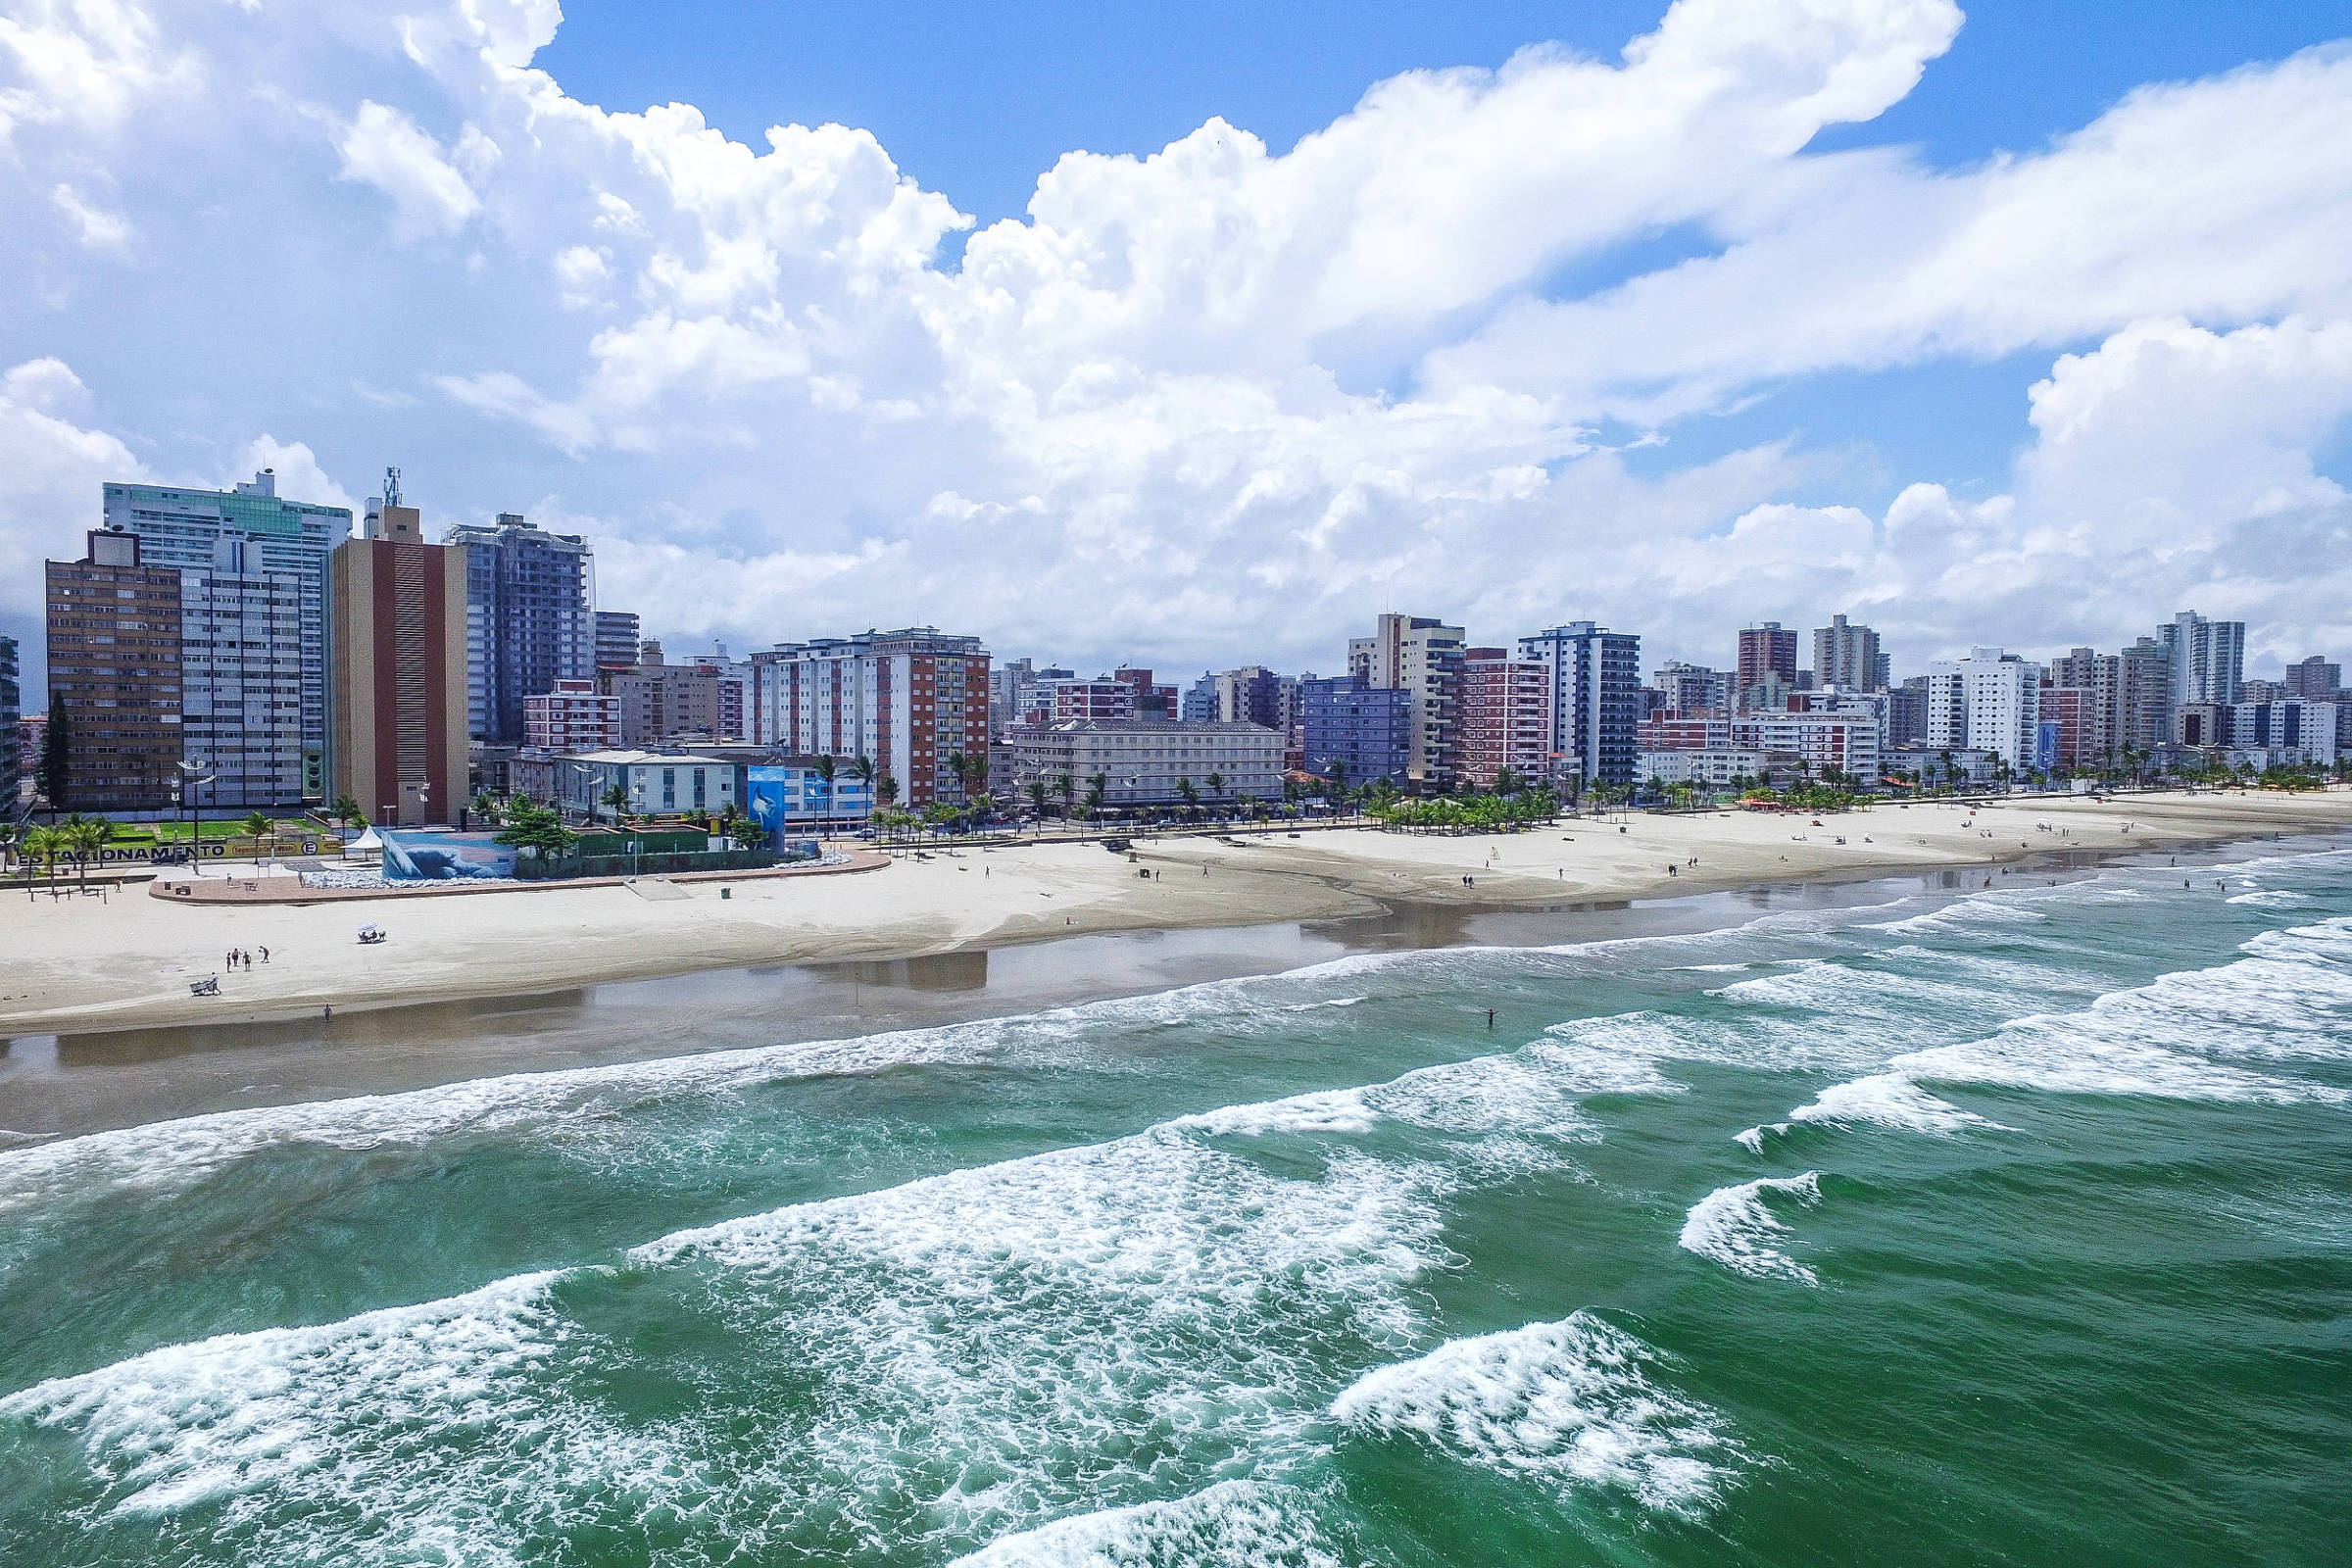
(42, 844)
(618, 797)
(1191, 793)
(826, 769)
(256, 828)
(1067, 788)
(1037, 798)
(84, 836)
(1097, 789)
(886, 790)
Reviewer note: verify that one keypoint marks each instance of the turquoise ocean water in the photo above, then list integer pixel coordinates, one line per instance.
(2016, 1228)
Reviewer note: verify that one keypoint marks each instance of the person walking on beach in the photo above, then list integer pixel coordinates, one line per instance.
(264, 955)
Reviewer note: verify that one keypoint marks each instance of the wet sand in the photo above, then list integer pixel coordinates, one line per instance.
(62, 1083)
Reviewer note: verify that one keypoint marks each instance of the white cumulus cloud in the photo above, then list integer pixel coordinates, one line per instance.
(1222, 402)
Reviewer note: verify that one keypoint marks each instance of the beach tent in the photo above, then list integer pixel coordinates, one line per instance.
(366, 841)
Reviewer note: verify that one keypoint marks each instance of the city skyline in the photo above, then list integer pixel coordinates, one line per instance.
(615, 328)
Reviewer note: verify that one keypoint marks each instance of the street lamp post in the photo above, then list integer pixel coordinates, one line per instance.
(187, 785)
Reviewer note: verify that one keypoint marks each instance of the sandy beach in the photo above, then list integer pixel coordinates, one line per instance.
(81, 964)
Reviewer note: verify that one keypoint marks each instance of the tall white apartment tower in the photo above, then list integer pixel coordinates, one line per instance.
(2208, 657)
(1991, 700)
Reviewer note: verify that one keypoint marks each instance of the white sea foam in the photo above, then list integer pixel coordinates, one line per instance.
(1571, 1404)
(1154, 1298)
(1532, 1091)
(2272, 899)
(2328, 942)
(1234, 1524)
(1733, 1226)
(1991, 908)
(445, 1403)
(965, 1354)
(1332, 1111)
(1887, 1100)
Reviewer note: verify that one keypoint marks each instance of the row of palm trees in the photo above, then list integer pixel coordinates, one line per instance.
(77, 838)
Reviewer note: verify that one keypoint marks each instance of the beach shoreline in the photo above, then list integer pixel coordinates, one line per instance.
(83, 965)
(69, 1071)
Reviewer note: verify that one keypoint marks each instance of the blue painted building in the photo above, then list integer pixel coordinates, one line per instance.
(1352, 725)
(793, 796)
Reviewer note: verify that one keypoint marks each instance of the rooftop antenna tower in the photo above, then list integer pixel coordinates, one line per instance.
(391, 487)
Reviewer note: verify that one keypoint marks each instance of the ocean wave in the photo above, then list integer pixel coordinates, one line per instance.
(2004, 908)
(1535, 1090)
(437, 1398)
(1735, 1226)
(1571, 1404)
(2326, 942)
(1234, 1524)
(1887, 1100)
(940, 1360)
(1154, 1299)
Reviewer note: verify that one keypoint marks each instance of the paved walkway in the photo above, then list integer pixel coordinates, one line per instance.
(290, 889)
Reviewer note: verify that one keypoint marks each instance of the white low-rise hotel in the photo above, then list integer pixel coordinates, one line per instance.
(1142, 761)
(1715, 765)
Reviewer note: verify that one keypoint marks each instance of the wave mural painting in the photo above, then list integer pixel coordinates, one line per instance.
(445, 856)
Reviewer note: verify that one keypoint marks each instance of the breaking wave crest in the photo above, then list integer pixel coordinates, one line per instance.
(1735, 1226)
(1573, 1404)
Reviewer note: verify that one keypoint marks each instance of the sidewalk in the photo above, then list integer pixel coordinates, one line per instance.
(289, 888)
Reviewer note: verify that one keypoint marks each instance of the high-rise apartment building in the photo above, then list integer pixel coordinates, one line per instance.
(1150, 700)
(2103, 702)
(114, 675)
(1767, 653)
(908, 701)
(573, 717)
(1684, 688)
(1021, 691)
(1100, 701)
(531, 620)
(1356, 733)
(1907, 712)
(1596, 682)
(11, 706)
(1990, 701)
(242, 679)
(2315, 679)
(249, 532)
(1849, 658)
(660, 701)
(2208, 657)
(1507, 714)
(1423, 656)
(1256, 695)
(734, 691)
(1198, 704)
(618, 635)
(2074, 711)
(397, 686)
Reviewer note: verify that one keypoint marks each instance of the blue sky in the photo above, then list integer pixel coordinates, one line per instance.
(2023, 326)
(975, 100)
